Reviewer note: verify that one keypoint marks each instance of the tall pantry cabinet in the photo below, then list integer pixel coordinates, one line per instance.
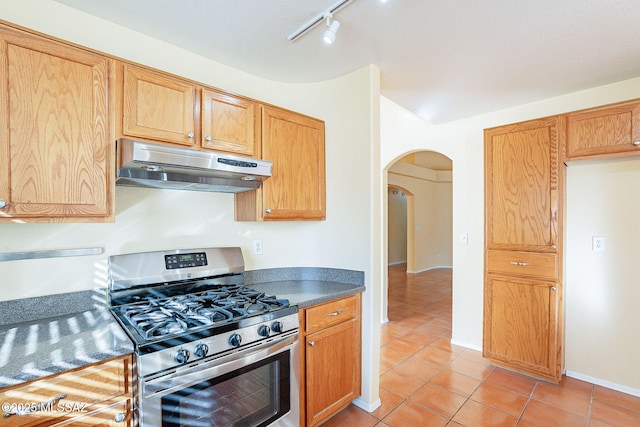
(523, 230)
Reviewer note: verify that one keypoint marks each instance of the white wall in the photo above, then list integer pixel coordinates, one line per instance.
(602, 288)
(397, 249)
(431, 219)
(462, 141)
(148, 219)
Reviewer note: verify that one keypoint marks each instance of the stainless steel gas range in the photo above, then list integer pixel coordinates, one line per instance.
(210, 352)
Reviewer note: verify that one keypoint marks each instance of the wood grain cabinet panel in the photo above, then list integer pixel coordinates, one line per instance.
(521, 325)
(56, 142)
(158, 107)
(525, 264)
(230, 123)
(331, 357)
(98, 394)
(331, 313)
(296, 190)
(521, 184)
(605, 131)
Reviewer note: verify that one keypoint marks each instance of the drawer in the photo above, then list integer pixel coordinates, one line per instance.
(525, 264)
(115, 414)
(331, 313)
(65, 395)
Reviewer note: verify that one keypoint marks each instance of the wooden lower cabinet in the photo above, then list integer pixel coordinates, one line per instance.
(95, 395)
(330, 358)
(521, 325)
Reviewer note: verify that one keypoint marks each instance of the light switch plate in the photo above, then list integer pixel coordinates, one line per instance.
(597, 244)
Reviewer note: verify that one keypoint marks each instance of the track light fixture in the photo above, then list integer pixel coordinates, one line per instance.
(329, 35)
(332, 25)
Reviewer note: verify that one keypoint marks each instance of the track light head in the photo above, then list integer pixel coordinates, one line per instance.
(332, 26)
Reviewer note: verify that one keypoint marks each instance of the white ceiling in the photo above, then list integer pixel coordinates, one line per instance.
(442, 59)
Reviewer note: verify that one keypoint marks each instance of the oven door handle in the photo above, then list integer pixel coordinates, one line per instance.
(195, 374)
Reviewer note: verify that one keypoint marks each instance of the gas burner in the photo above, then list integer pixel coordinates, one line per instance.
(156, 317)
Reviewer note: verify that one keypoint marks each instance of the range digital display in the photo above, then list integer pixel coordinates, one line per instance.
(174, 261)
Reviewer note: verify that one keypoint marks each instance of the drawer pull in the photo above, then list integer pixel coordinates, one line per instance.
(48, 405)
(522, 264)
(335, 313)
(636, 143)
(120, 417)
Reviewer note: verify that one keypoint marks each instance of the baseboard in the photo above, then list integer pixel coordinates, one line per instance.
(385, 320)
(366, 406)
(430, 268)
(397, 263)
(466, 345)
(603, 383)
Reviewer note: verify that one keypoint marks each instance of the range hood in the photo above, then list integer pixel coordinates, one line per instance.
(144, 164)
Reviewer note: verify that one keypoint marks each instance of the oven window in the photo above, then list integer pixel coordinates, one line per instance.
(255, 395)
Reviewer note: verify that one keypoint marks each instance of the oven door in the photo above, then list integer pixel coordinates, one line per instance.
(258, 386)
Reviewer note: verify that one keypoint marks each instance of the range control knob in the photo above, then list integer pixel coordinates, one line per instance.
(182, 356)
(235, 340)
(201, 350)
(277, 326)
(264, 331)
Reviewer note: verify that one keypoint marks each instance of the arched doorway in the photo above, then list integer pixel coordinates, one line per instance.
(425, 177)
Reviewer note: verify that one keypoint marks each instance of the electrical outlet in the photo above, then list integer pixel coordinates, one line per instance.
(257, 247)
(597, 243)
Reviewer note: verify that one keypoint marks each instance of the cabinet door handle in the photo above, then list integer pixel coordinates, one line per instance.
(190, 135)
(312, 343)
(268, 210)
(636, 143)
(335, 313)
(3, 204)
(120, 417)
(208, 138)
(29, 409)
(553, 288)
(522, 264)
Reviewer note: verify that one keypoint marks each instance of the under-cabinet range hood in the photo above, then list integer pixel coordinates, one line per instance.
(144, 164)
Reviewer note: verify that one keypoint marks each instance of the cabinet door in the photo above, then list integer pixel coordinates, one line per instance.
(158, 107)
(56, 149)
(521, 325)
(332, 370)
(230, 124)
(604, 131)
(522, 186)
(295, 145)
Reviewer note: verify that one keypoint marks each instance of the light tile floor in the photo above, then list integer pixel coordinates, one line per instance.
(426, 381)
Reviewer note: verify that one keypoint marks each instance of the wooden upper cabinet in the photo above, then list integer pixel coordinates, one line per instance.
(158, 107)
(522, 327)
(230, 123)
(296, 190)
(57, 133)
(610, 130)
(522, 186)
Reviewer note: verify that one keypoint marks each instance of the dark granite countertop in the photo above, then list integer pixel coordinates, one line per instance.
(32, 346)
(305, 293)
(51, 334)
(306, 286)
